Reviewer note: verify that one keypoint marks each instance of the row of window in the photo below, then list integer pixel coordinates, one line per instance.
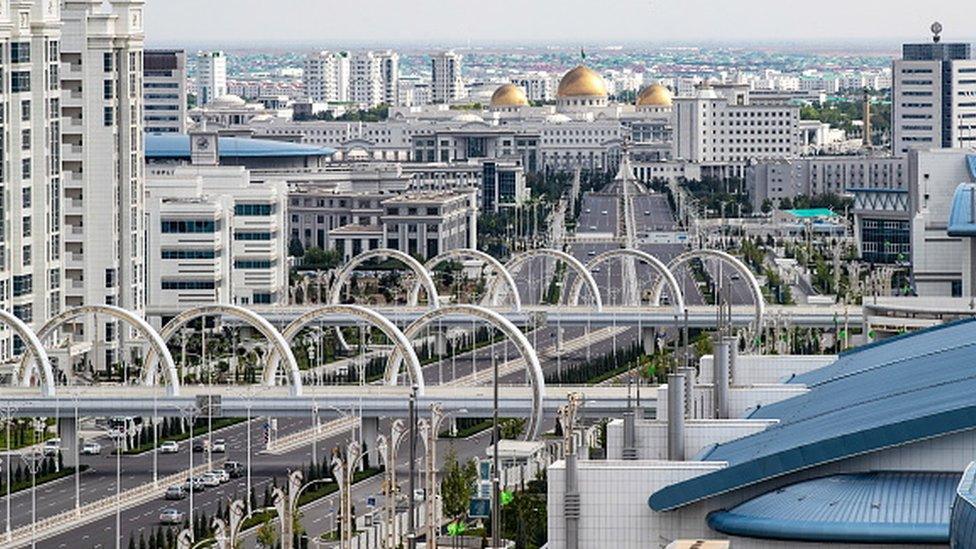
(188, 284)
(188, 254)
(253, 209)
(189, 226)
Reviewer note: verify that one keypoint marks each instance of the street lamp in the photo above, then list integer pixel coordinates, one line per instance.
(33, 462)
(343, 469)
(429, 434)
(7, 414)
(189, 415)
(118, 437)
(387, 449)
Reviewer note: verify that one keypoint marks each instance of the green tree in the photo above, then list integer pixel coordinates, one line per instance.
(457, 485)
(267, 535)
(323, 259)
(295, 248)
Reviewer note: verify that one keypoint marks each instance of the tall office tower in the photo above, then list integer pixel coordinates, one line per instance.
(164, 91)
(365, 83)
(30, 142)
(326, 76)
(390, 76)
(445, 75)
(933, 96)
(211, 76)
(103, 163)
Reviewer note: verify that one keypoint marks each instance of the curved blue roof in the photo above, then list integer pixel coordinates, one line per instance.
(175, 145)
(962, 217)
(891, 393)
(878, 507)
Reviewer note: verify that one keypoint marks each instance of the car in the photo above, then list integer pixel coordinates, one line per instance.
(91, 449)
(221, 475)
(587, 210)
(604, 212)
(234, 469)
(595, 270)
(210, 480)
(591, 253)
(201, 445)
(196, 483)
(175, 491)
(219, 446)
(169, 447)
(52, 447)
(419, 495)
(735, 276)
(592, 227)
(647, 212)
(171, 516)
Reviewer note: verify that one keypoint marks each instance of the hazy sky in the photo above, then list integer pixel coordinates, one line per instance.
(456, 22)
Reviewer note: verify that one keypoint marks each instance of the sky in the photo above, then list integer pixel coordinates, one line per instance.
(534, 22)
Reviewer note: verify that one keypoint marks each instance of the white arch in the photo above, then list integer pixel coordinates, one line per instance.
(157, 346)
(423, 275)
(500, 273)
(510, 330)
(655, 263)
(251, 318)
(733, 262)
(581, 271)
(389, 329)
(46, 377)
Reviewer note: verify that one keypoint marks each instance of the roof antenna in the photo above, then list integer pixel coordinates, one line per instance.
(936, 31)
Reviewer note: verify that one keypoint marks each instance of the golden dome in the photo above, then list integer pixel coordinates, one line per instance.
(654, 95)
(509, 95)
(582, 82)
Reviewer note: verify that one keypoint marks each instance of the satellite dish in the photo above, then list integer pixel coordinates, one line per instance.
(936, 30)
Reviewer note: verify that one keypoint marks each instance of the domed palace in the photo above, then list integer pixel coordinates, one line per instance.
(654, 98)
(581, 88)
(508, 98)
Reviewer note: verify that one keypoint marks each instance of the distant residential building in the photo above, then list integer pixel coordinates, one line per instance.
(327, 76)
(538, 86)
(447, 84)
(374, 78)
(390, 76)
(164, 91)
(211, 74)
(933, 96)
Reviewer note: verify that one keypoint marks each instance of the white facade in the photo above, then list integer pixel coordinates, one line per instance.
(103, 162)
(538, 86)
(164, 91)
(327, 76)
(374, 78)
(933, 97)
(211, 72)
(31, 251)
(214, 236)
(447, 84)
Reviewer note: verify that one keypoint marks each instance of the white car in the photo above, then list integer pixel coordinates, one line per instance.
(604, 212)
(210, 480)
(219, 446)
(52, 447)
(171, 516)
(91, 449)
(222, 475)
(169, 447)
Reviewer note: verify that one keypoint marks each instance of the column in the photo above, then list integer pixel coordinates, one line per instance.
(68, 432)
(371, 428)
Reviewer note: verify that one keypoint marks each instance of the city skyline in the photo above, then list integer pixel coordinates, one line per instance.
(305, 22)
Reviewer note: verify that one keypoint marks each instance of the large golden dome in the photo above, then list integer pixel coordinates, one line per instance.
(509, 95)
(654, 95)
(582, 82)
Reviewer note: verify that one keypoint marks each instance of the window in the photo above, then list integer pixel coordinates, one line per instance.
(25, 140)
(20, 52)
(24, 312)
(189, 226)
(25, 110)
(26, 226)
(253, 209)
(108, 90)
(23, 285)
(108, 116)
(25, 197)
(261, 299)
(27, 253)
(20, 81)
(188, 285)
(253, 264)
(188, 254)
(25, 168)
(107, 62)
(111, 278)
(252, 236)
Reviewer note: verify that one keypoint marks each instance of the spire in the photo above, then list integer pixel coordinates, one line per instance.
(582, 54)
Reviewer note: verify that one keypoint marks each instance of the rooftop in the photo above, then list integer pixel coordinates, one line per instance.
(869, 399)
(177, 146)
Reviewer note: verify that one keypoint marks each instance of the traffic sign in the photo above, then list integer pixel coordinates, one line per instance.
(479, 508)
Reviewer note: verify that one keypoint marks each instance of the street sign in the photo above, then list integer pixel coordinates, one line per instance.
(480, 508)
(371, 501)
(484, 489)
(484, 469)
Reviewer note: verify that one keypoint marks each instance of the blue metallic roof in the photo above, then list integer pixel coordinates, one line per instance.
(175, 145)
(962, 218)
(971, 164)
(962, 525)
(871, 399)
(879, 507)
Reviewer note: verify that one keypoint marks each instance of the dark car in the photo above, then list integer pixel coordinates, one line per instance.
(234, 469)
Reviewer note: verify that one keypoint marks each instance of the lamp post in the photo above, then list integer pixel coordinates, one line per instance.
(7, 414)
(567, 420)
(411, 519)
(118, 437)
(33, 462)
(388, 452)
(343, 469)
(429, 434)
(189, 415)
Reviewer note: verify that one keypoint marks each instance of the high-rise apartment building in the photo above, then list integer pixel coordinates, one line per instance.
(103, 164)
(326, 76)
(933, 96)
(445, 75)
(30, 141)
(365, 83)
(390, 76)
(211, 74)
(164, 91)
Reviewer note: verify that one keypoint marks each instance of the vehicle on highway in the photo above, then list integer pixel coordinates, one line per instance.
(175, 492)
(735, 276)
(592, 227)
(201, 445)
(222, 476)
(196, 483)
(234, 468)
(91, 449)
(604, 212)
(595, 270)
(591, 252)
(419, 495)
(210, 480)
(219, 446)
(171, 516)
(587, 210)
(647, 212)
(52, 447)
(169, 447)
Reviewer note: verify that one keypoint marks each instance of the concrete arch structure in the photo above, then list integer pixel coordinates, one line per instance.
(253, 319)
(501, 275)
(422, 273)
(655, 263)
(581, 271)
(370, 316)
(729, 260)
(157, 346)
(42, 365)
(515, 335)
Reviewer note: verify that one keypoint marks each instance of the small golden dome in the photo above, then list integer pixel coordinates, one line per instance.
(509, 95)
(582, 82)
(654, 95)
